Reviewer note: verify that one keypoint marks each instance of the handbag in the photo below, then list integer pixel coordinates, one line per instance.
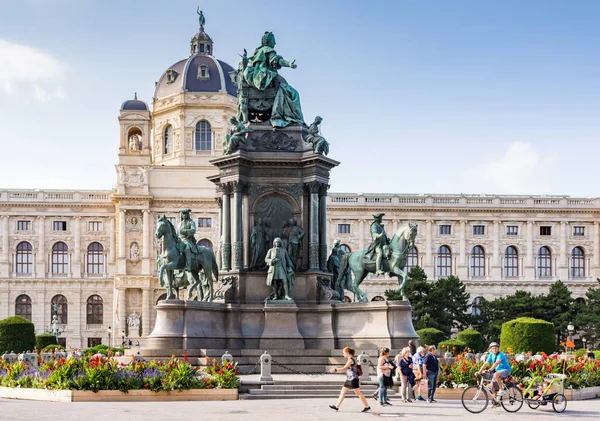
(418, 374)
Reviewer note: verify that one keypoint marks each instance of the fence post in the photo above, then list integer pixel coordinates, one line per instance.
(226, 357)
(365, 362)
(265, 368)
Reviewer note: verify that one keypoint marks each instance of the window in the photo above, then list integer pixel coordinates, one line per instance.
(476, 306)
(412, 258)
(204, 222)
(23, 225)
(545, 230)
(61, 302)
(23, 306)
(579, 231)
(205, 243)
(544, 269)
(24, 258)
(92, 342)
(577, 263)
(60, 258)
(343, 228)
(444, 261)
(95, 226)
(511, 262)
(477, 262)
(478, 230)
(95, 310)
(345, 248)
(203, 136)
(59, 226)
(62, 342)
(378, 298)
(203, 70)
(445, 229)
(95, 259)
(168, 139)
(512, 230)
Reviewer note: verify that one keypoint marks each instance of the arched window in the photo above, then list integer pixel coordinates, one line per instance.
(161, 298)
(511, 262)
(412, 258)
(544, 269)
(203, 136)
(345, 248)
(60, 258)
(347, 299)
(444, 262)
(577, 263)
(95, 259)
(61, 302)
(205, 243)
(24, 258)
(477, 262)
(95, 310)
(168, 139)
(23, 306)
(475, 306)
(378, 298)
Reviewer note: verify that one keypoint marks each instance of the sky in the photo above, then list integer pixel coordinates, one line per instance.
(422, 96)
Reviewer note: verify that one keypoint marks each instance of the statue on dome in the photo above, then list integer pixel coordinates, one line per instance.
(201, 18)
(268, 96)
(320, 145)
(235, 137)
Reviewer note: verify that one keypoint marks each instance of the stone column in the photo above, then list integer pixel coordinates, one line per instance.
(111, 246)
(462, 226)
(496, 267)
(146, 306)
(41, 260)
(323, 226)
(313, 245)
(238, 245)
(122, 311)
(5, 264)
(562, 268)
(146, 234)
(361, 234)
(122, 247)
(246, 229)
(76, 262)
(226, 246)
(428, 244)
(596, 237)
(529, 261)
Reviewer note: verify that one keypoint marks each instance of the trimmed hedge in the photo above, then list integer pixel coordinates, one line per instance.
(527, 334)
(430, 336)
(472, 339)
(455, 346)
(16, 334)
(102, 348)
(52, 348)
(45, 339)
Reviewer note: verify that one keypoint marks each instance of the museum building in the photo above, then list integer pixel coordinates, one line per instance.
(93, 253)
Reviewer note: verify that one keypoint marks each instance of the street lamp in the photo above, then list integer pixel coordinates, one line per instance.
(453, 332)
(571, 328)
(109, 330)
(123, 337)
(584, 341)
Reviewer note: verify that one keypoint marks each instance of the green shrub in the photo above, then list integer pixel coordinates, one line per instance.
(597, 354)
(430, 336)
(472, 339)
(581, 352)
(45, 339)
(102, 348)
(527, 334)
(392, 295)
(52, 348)
(16, 334)
(455, 346)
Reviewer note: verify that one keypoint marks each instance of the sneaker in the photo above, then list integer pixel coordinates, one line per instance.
(368, 408)
(334, 407)
(420, 398)
(428, 400)
(501, 392)
(432, 400)
(409, 400)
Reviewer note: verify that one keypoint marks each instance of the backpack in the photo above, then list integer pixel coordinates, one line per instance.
(359, 370)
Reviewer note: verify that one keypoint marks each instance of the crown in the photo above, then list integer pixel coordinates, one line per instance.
(268, 39)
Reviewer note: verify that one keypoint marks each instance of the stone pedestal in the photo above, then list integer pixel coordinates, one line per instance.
(281, 327)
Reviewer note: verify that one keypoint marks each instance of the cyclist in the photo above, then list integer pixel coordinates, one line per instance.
(500, 366)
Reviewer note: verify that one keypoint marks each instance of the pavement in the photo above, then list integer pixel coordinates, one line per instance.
(276, 410)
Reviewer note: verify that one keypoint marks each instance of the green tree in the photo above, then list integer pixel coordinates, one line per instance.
(559, 309)
(418, 291)
(449, 304)
(487, 321)
(588, 317)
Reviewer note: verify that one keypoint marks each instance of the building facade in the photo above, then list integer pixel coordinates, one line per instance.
(94, 252)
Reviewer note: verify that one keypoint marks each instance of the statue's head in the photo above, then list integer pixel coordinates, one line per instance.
(185, 213)
(233, 120)
(292, 221)
(277, 242)
(268, 39)
(378, 216)
(336, 243)
(259, 221)
(318, 119)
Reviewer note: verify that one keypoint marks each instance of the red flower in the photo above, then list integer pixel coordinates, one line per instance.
(185, 357)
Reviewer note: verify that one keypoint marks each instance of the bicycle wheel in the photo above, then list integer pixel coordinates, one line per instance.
(533, 403)
(474, 399)
(512, 400)
(559, 403)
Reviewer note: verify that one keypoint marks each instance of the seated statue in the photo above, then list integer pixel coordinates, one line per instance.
(320, 145)
(266, 95)
(235, 137)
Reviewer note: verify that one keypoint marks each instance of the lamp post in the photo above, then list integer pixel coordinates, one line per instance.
(570, 329)
(109, 330)
(584, 341)
(123, 338)
(453, 332)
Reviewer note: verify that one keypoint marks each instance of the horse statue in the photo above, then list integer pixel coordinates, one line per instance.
(402, 241)
(172, 263)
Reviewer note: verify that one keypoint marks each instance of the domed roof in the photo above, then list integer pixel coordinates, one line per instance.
(134, 105)
(198, 73)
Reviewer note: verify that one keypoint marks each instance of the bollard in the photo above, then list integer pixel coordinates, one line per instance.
(75, 355)
(265, 368)
(60, 354)
(30, 358)
(138, 357)
(469, 356)
(47, 357)
(226, 357)
(9, 357)
(365, 362)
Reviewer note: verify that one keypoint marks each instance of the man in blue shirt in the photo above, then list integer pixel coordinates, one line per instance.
(500, 366)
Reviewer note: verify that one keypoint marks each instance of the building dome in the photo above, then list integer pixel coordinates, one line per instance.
(134, 105)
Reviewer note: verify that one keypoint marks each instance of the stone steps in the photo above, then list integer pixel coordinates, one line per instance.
(302, 390)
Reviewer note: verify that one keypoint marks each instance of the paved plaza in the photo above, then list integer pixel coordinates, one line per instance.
(266, 410)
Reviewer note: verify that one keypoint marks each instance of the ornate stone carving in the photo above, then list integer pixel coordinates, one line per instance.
(275, 141)
(313, 255)
(225, 287)
(237, 254)
(136, 177)
(324, 291)
(226, 256)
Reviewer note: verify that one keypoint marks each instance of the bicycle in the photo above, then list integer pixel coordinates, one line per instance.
(552, 393)
(475, 398)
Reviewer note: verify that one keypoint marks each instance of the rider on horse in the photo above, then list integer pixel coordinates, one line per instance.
(380, 245)
(186, 231)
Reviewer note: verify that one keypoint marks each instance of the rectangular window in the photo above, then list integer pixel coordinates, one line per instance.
(95, 226)
(204, 222)
(92, 342)
(579, 231)
(445, 229)
(23, 225)
(59, 225)
(545, 230)
(512, 230)
(343, 228)
(62, 342)
(478, 229)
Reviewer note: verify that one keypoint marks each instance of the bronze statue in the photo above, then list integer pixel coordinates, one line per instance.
(258, 245)
(295, 234)
(280, 276)
(235, 137)
(186, 231)
(333, 265)
(380, 245)
(201, 18)
(320, 145)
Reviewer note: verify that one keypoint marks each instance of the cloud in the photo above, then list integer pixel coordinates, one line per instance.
(30, 71)
(521, 170)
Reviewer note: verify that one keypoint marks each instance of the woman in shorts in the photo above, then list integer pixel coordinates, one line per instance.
(352, 381)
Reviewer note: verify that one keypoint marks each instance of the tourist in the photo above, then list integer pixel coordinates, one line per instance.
(413, 347)
(590, 354)
(406, 372)
(419, 372)
(352, 380)
(432, 366)
(384, 374)
(499, 366)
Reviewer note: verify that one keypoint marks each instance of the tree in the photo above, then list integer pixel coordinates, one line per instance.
(558, 308)
(418, 291)
(588, 318)
(449, 304)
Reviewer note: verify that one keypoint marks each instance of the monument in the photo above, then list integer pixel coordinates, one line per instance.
(272, 187)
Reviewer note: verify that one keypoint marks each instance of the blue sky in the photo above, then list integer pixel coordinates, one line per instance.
(462, 96)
